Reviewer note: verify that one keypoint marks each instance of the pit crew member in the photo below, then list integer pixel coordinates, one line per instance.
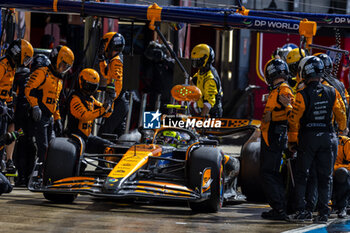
(207, 80)
(274, 136)
(20, 52)
(312, 132)
(84, 109)
(42, 92)
(111, 69)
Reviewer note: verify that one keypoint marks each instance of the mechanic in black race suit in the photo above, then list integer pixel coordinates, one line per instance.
(84, 109)
(330, 80)
(25, 152)
(159, 72)
(274, 137)
(207, 80)
(311, 132)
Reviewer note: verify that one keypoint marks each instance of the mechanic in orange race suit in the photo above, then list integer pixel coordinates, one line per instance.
(341, 177)
(20, 52)
(84, 109)
(207, 80)
(311, 131)
(42, 92)
(274, 137)
(111, 69)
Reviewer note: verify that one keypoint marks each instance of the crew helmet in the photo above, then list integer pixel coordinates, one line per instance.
(310, 67)
(293, 58)
(113, 42)
(202, 55)
(40, 60)
(61, 56)
(89, 81)
(327, 61)
(20, 52)
(275, 68)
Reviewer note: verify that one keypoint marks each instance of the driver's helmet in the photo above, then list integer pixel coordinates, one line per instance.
(171, 138)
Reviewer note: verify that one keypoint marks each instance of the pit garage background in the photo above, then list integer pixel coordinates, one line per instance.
(240, 53)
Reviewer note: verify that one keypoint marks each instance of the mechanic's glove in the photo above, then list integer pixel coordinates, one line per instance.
(107, 106)
(109, 97)
(344, 132)
(3, 109)
(36, 113)
(285, 100)
(110, 91)
(267, 116)
(58, 127)
(10, 137)
(292, 147)
(10, 110)
(205, 110)
(290, 155)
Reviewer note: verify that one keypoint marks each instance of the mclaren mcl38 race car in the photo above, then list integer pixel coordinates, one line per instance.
(176, 165)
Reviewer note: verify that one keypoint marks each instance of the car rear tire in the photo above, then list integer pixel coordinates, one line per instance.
(250, 178)
(61, 162)
(201, 158)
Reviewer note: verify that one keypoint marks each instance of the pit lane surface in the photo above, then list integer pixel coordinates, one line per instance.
(25, 211)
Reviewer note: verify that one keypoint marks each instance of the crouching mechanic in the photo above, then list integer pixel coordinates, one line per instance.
(274, 137)
(341, 177)
(207, 80)
(5, 185)
(42, 92)
(84, 109)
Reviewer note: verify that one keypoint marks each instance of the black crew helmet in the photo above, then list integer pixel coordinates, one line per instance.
(310, 67)
(275, 68)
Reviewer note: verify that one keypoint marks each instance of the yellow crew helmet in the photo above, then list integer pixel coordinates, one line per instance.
(89, 81)
(293, 59)
(62, 58)
(20, 52)
(202, 55)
